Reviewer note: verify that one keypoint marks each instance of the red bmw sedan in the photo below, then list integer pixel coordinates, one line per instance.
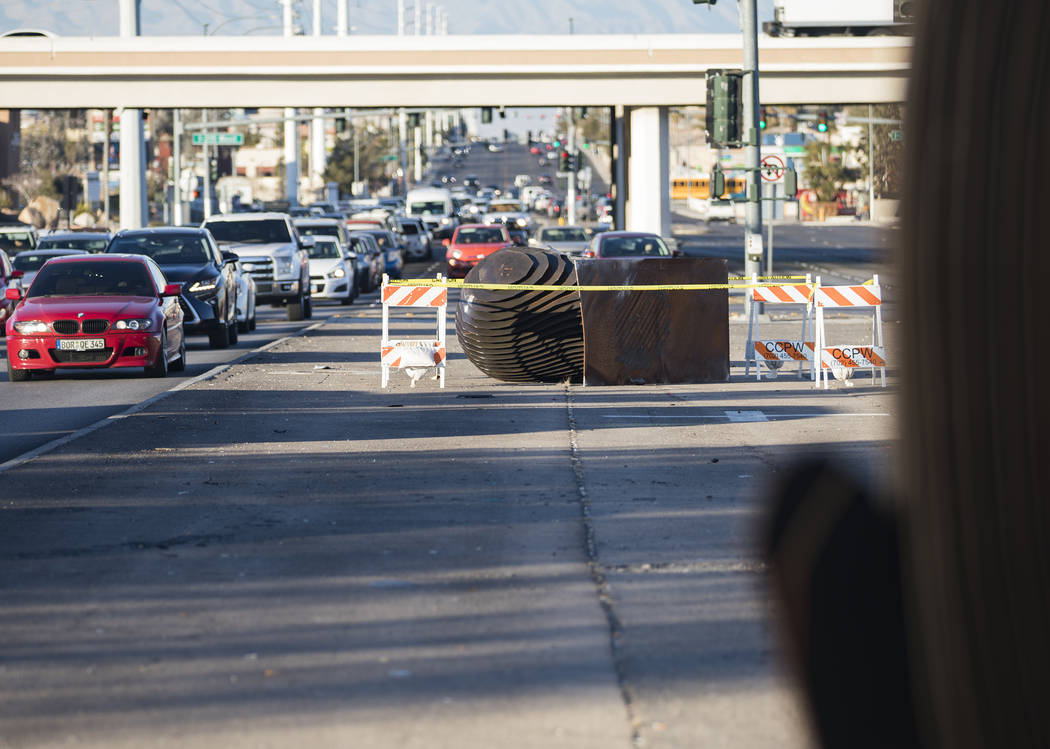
(96, 311)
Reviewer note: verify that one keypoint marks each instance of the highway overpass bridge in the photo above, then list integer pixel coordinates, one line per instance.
(640, 75)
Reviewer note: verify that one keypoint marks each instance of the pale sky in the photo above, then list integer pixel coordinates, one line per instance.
(263, 17)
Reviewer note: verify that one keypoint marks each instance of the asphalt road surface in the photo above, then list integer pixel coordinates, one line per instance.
(287, 555)
(42, 410)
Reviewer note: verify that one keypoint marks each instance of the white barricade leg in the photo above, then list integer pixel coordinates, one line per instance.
(385, 378)
(752, 332)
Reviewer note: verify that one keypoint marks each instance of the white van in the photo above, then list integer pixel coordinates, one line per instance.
(435, 207)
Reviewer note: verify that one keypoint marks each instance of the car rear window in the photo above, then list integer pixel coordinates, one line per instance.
(409, 229)
(97, 244)
(98, 278)
(634, 247)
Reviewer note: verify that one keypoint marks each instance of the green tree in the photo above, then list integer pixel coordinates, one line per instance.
(373, 145)
(825, 173)
(888, 154)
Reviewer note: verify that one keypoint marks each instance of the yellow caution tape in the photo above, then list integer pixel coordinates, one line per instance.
(769, 278)
(457, 284)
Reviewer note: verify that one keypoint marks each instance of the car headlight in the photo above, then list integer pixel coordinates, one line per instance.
(446, 221)
(283, 266)
(31, 326)
(337, 272)
(456, 254)
(208, 284)
(135, 325)
(521, 222)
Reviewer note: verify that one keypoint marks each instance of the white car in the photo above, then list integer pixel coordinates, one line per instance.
(417, 238)
(572, 240)
(332, 271)
(245, 300)
(719, 209)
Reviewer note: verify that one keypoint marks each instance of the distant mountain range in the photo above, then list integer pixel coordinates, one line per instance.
(263, 17)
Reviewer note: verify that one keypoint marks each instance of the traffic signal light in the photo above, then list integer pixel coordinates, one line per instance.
(822, 121)
(790, 183)
(762, 119)
(486, 114)
(564, 162)
(725, 108)
(718, 183)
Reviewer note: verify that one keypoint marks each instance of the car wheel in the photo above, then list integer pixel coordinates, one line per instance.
(235, 332)
(219, 338)
(295, 310)
(251, 321)
(17, 375)
(308, 307)
(160, 367)
(348, 299)
(179, 365)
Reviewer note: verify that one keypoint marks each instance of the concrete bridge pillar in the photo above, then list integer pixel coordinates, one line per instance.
(646, 139)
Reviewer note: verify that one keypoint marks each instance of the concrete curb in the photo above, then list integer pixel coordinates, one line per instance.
(131, 410)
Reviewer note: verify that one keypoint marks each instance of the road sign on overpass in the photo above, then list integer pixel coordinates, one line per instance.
(218, 139)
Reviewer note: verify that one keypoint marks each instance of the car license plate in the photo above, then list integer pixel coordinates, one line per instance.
(81, 344)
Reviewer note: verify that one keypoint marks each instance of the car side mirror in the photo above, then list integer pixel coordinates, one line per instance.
(446, 242)
(676, 253)
(13, 294)
(307, 242)
(230, 257)
(172, 289)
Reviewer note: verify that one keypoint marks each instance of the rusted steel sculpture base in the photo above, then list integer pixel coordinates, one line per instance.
(648, 337)
(523, 336)
(605, 338)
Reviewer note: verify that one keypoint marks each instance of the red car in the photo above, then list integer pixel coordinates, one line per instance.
(471, 244)
(96, 311)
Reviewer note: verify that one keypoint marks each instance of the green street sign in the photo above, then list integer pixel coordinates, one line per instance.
(389, 157)
(218, 139)
(896, 135)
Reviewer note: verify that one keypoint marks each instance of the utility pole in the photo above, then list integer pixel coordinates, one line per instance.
(176, 189)
(318, 156)
(342, 17)
(570, 187)
(752, 152)
(206, 155)
(400, 17)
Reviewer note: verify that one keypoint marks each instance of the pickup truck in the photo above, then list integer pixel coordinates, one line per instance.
(273, 253)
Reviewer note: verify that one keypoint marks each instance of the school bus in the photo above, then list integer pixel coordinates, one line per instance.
(700, 187)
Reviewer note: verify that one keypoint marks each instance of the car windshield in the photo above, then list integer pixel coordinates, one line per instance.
(166, 249)
(91, 244)
(428, 206)
(16, 241)
(324, 251)
(382, 239)
(318, 231)
(479, 235)
(634, 247)
(564, 235)
(112, 278)
(505, 207)
(264, 231)
(27, 262)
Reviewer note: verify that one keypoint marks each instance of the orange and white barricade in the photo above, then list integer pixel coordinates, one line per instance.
(800, 350)
(850, 357)
(416, 356)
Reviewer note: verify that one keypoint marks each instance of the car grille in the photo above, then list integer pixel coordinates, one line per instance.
(261, 269)
(72, 327)
(94, 356)
(94, 326)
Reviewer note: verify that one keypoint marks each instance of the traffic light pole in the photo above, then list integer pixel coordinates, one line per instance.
(752, 153)
(207, 174)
